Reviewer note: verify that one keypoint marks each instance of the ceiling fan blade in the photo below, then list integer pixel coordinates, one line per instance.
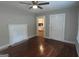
(25, 3)
(40, 7)
(30, 7)
(43, 3)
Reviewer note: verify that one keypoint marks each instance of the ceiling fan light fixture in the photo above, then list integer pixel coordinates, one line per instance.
(35, 6)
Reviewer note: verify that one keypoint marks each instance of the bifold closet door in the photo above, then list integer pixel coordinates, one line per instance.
(57, 26)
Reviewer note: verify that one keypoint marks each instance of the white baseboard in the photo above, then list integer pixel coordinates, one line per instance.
(63, 40)
(17, 43)
(6, 46)
(68, 42)
(22, 41)
(31, 36)
(47, 37)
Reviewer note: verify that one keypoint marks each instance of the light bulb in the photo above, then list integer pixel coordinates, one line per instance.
(35, 7)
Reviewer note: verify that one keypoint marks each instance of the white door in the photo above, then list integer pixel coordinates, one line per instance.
(17, 33)
(57, 26)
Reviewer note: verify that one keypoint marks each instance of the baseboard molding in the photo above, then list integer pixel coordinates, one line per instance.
(31, 36)
(77, 47)
(18, 43)
(4, 47)
(68, 42)
(7, 45)
(62, 41)
(22, 41)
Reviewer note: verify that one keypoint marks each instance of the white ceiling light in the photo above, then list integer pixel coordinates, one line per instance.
(35, 6)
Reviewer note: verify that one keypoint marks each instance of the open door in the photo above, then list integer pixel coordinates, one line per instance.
(41, 32)
(41, 26)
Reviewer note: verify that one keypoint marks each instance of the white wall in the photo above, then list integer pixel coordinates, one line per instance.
(13, 15)
(71, 26)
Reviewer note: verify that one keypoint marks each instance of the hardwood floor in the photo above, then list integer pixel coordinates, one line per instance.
(53, 48)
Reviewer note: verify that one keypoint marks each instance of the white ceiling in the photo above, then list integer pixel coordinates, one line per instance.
(54, 5)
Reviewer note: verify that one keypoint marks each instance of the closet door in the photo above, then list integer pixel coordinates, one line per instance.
(17, 33)
(57, 26)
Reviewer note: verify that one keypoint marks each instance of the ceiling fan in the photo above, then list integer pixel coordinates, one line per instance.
(35, 4)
